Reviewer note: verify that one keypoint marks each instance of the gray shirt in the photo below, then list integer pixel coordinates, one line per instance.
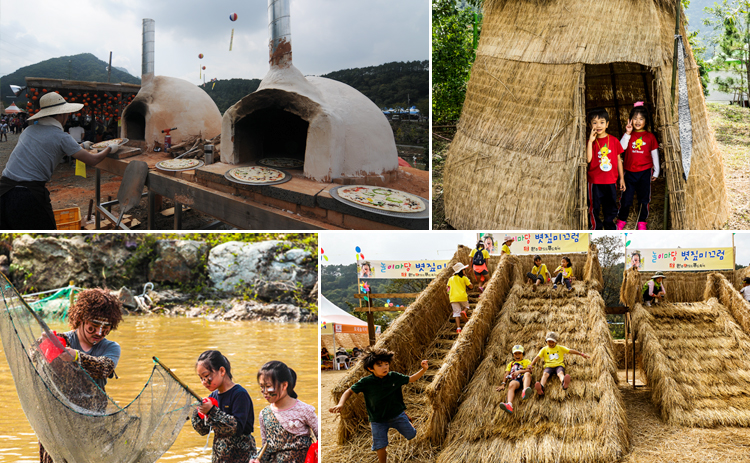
(40, 149)
(104, 348)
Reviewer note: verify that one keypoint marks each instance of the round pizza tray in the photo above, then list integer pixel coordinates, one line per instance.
(277, 182)
(261, 162)
(105, 143)
(425, 214)
(200, 164)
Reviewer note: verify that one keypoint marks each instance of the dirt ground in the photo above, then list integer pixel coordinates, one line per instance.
(67, 190)
(652, 441)
(731, 125)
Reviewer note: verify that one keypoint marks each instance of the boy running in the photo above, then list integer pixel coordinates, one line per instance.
(383, 398)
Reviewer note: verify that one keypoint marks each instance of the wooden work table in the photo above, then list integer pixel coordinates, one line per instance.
(299, 204)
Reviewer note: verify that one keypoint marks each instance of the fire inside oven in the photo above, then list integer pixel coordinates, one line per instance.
(270, 132)
(135, 121)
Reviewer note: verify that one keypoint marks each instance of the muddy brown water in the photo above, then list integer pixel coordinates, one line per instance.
(178, 342)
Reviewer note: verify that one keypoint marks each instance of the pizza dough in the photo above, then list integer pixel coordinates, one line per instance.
(178, 164)
(256, 174)
(282, 163)
(385, 199)
(106, 143)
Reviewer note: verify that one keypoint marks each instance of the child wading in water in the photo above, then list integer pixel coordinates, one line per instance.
(518, 374)
(286, 423)
(641, 166)
(554, 362)
(479, 258)
(228, 410)
(383, 398)
(539, 273)
(605, 165)
(564, 273)
(459, 298)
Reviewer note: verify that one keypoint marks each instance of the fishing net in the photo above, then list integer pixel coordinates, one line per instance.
(73, 418)
(57, 305)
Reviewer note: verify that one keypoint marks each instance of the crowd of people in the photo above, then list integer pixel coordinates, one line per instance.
(14, 124)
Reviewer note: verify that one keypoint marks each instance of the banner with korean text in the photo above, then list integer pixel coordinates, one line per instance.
(671, 260)
(537, 243)
(392, 269)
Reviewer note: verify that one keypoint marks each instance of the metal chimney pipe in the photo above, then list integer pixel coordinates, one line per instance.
(280, 34)
(147, 56)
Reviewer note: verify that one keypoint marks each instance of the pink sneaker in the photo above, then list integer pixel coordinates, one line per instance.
(641, 226)
(620, 224)
(458, 330)
(508, 408)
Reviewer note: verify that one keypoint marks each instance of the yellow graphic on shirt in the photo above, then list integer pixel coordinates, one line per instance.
(605, 164)
(638, 144)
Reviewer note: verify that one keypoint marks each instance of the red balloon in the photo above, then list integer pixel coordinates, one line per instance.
(204, 68)
(200, 56)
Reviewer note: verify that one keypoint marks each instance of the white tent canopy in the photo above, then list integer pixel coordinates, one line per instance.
(334, 321)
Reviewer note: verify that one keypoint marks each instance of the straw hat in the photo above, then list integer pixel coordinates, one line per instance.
(508, 238)
(658, 275)
(552, 336)
(52, 104)
(518, 348)
(458, 267)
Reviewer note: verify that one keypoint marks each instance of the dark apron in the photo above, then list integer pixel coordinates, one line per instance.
(25, 206)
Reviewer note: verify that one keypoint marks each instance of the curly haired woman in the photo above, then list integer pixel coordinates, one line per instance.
(94, 315)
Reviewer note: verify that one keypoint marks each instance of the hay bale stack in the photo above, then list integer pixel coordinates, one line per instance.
(459, 364)
(586, 423)
(620, 346)
(680, 286)
(730, 298)
(540, 67)
(695, 360)
(412, 337)
(345, 340)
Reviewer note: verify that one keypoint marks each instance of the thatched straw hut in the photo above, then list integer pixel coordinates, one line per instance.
(433, 401)
(541, 66)
(695, 356)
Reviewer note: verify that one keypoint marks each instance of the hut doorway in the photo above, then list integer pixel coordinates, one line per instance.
(616, 87)
(270, 132)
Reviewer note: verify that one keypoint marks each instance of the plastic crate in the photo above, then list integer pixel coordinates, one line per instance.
(68, 219)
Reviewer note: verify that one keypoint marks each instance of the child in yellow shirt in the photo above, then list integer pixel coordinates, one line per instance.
(554, 362)
(506, 245)
(565, 273)
(459, 298)
(518, 373)
(539, 273)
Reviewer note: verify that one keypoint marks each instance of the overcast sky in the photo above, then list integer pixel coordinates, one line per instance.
(327, 35)
(340, 246)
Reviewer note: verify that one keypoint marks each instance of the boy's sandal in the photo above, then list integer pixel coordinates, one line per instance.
(566, 382)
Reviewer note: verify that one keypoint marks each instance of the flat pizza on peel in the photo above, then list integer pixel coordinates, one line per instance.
(178, 164)
(385, 199)
(106, 143)
(256, 174)
(282, 163)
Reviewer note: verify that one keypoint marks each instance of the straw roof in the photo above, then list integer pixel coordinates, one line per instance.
(694, 357)
(587, 423)
(456, 363)
(540, 66)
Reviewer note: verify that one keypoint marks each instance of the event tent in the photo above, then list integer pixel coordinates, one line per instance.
(337, 321)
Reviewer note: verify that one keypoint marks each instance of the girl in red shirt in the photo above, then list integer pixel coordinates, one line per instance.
(641, 164)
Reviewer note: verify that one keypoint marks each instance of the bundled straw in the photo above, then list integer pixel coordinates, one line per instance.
(541, 66)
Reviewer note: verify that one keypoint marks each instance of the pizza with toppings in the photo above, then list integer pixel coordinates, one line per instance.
(178, 164)
(282, 163)
(106, 143)
(256, 174)
(385, 199)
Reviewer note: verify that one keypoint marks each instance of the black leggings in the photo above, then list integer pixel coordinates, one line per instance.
(559, 279)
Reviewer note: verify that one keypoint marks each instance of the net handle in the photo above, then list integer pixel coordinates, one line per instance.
(179, 381)
(53, 339)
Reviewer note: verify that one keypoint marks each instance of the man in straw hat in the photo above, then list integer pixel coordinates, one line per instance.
(24, 199)
(459, 298)
(653, 289)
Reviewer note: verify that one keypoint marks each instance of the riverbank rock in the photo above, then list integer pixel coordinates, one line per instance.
(268, 270)
(50, 262)
(177, 261)
(252, 310)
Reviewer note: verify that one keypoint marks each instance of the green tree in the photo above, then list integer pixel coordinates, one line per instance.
(452, 55)
(612, 261)
(731, 19)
